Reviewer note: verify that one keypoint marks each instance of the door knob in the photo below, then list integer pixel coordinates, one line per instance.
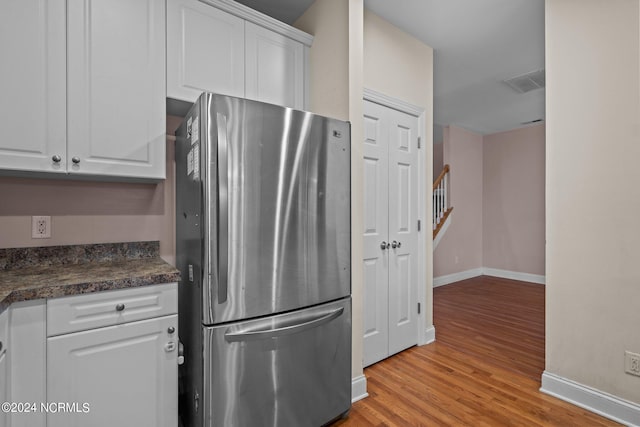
(395, 244)
(384, 245)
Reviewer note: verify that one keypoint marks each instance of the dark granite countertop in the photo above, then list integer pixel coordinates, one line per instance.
(55, 271)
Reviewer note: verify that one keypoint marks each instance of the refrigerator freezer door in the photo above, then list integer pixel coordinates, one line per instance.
(279, 226)
(292, 369)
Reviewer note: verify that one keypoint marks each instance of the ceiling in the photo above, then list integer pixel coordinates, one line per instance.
(477, 44)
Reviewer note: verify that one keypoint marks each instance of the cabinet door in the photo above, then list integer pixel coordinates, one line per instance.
(116, 88)
(33, 83)
(274, 67)
(4, 417)
(4, 367)
(124, 375)
(205, 51)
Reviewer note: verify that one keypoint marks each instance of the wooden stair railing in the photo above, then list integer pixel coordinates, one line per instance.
(441, 208)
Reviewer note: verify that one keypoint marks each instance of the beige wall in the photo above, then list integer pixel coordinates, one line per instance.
(513, 200)
(461, 246)
(593, 192)
(348, 40)
(328, 22)
(90, 212)
(398, 65)
(336, 91)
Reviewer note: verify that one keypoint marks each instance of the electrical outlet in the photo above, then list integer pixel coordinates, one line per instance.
(632, 363)
(40, 227)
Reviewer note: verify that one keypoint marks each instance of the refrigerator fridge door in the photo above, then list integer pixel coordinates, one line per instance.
(278, 209)
(292, 369)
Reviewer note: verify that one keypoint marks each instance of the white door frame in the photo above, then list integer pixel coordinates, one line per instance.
(419, 113)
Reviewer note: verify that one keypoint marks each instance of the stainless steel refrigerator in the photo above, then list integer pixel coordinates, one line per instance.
(263, 243)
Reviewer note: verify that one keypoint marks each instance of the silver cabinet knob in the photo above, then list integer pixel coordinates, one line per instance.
(120, 307)
(399, 244)
(394, 244)
(384, 245)
(171, 329)
(56, 159)
(75, 160)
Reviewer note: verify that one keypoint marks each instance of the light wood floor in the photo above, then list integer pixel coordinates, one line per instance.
(483, 370)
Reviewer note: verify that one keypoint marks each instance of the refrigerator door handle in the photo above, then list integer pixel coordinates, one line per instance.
(282, 328)
(223, 209)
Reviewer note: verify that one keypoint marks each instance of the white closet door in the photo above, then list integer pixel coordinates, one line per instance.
(390, 232)
(403, 221)
(376, 223)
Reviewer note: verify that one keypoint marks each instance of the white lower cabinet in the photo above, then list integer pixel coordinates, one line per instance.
(115, 376)
(27, 362)
(109, 359)
(4, 365)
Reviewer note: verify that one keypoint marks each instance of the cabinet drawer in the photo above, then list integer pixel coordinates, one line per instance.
(89, 311)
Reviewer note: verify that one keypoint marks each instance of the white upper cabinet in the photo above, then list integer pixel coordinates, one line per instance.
(205, 47)
(32, 84)
(224, 47)
(116, 89)
(83, 87)
(274, 67)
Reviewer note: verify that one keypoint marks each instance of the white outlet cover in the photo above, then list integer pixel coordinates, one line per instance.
(40, 227)
(632, 363)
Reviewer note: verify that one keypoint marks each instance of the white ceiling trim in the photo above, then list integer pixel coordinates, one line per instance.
(391, 102)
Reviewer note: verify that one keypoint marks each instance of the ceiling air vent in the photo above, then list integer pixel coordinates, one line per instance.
(527, 82)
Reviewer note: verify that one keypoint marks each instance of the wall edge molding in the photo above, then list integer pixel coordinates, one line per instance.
(261, 19)
(456, 277)
(429, 335)
(486, 271)
(601, 403)
(388, 101)
(358, 388)
(514, 275)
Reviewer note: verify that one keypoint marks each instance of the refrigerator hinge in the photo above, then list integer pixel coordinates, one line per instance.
(418, 308)
(418, 225)
(418, 142)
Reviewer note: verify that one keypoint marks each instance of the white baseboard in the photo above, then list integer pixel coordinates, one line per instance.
(429, 335)
(456, 277)
(593, 400)
(514, 275)
(358, 388)
(475, 272)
